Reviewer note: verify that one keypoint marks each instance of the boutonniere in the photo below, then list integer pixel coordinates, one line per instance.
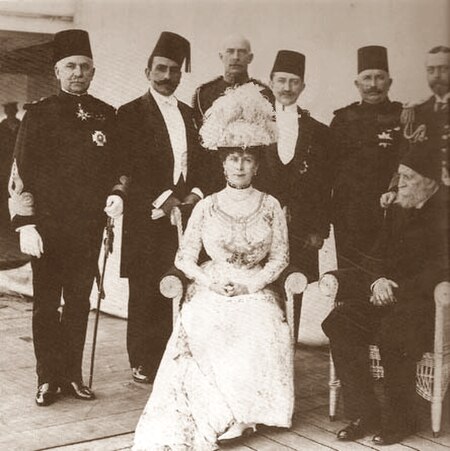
(99, 138)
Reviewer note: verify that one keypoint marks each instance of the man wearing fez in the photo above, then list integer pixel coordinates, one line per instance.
(392, 305)
(296, 170)
(236, 55)
(64, 170)
(367, 138)
(159, 134)
(8, 133)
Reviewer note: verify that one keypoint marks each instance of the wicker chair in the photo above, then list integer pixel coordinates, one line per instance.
(433, 370)
(173, 284)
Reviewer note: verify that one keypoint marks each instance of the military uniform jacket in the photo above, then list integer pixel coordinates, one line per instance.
(65, 164)
(366, 155)
(424, 122)
(143, 132)
(304, 183)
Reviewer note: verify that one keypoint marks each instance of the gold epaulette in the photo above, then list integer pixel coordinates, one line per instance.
(407, 119)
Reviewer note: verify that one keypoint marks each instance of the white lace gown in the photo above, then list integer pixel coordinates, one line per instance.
(229, 359)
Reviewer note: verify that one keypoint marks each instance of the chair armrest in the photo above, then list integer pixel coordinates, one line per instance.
(291, 282)
(442, 321)
(329, 287)
(344, 284)
(173, 283)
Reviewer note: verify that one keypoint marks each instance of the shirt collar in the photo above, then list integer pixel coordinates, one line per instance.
(163, 100)
(285, 109)
(444, 99)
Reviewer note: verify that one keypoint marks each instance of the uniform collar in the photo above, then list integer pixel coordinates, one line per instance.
(72, 94)
(163, 100)
(239, 79)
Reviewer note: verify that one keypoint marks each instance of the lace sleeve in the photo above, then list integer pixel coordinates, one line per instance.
(278, 258)
(191, 245)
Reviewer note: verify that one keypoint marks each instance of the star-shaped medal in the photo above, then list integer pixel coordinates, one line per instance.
(81, 114)
(99, 138)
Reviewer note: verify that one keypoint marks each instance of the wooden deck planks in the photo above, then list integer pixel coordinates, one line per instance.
(108, 423)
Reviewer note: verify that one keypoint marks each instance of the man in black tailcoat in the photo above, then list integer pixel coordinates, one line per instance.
(159, 134)
(66, 165)
(296, 170)
(367, 137)
(392, 304)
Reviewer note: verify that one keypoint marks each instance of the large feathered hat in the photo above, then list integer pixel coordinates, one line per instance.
(241, 118)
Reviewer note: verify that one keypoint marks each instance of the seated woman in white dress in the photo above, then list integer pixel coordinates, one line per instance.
(229, 362)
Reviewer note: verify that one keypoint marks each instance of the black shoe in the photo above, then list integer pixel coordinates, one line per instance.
(78, 390)
(355, 430)
(140, 375)
(389, 436)
(46, 394)
(385, 438)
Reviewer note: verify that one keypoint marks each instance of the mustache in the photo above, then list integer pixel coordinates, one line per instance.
(165, 83)
(373, 91)
(439, 83)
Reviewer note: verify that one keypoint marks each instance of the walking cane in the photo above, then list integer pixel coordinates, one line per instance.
(107, 248)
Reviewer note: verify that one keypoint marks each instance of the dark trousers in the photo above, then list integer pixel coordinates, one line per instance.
(351, 328)
(59, 335)
(149, 313)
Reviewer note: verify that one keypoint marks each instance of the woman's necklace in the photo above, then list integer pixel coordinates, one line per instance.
(237, 194)
(232, 185)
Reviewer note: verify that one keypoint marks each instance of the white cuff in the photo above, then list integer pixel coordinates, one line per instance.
(28, 226)
(198, 192)
(162, 198)
(157, 213)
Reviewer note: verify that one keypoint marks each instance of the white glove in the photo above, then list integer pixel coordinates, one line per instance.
(30, 241)
(114, 206)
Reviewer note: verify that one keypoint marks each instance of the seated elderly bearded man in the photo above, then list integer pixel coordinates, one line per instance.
(392, 305)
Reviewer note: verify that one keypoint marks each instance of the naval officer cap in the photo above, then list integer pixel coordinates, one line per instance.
(69, 43)
(290, 62)
(372, 57)
(175, 47)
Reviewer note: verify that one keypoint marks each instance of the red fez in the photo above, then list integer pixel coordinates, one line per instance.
(69, 43)
(372, 57)
(422, 157)
(290, 62)
(175, 47)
